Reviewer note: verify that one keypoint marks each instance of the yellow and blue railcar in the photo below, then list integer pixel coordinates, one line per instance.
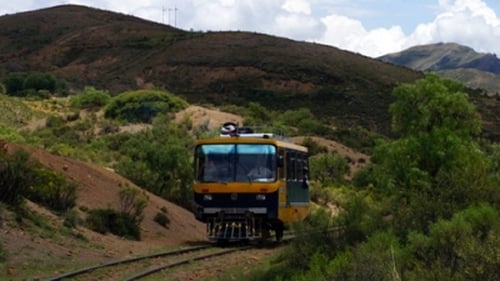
(248, 185)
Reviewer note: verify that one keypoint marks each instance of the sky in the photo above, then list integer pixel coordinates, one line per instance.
(369, 27)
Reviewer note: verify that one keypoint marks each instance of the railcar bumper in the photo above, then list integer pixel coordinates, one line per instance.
(236, 224)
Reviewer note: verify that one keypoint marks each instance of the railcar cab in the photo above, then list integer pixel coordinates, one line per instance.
(248, 184)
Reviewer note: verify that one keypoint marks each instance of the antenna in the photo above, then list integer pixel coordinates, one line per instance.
(175, 16)
(169, 10)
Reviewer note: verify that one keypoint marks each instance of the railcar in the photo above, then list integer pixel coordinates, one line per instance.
(249, 185)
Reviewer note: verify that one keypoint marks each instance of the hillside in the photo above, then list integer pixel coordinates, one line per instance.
(116, 52)
(87, 46)
(48, 250)
(99, 188)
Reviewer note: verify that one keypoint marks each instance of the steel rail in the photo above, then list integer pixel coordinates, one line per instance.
(127, 260)
(287, 238)
(145, 273)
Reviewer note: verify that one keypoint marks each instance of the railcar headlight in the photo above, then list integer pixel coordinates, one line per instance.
(261, 197)
(207, 197)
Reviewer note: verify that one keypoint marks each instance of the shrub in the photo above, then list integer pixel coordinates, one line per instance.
(317, 240)
(143, 105)
(2, 254)
(162, 219)
(52, 190)
(329, 168)
(313, 146)
(90, 98)
(466, 247)
(15, 177)
(14, 84)
(131, 205)
(21, 177)
(55, 121)
(379, 258)
(118, 223)
(71, 219)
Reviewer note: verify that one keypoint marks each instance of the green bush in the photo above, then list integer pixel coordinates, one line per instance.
(16, 177)
(40, 81)
(131, 204)
(71, 219)
(379, 258)
(159, 161)
(54, 121)
(21, 177)
(14, 84)
(52, 190)
(34, 84)
(143, 105)
(313, 146)
(312, 237)
(90, 98)
(110, 221)
(161, 219)
(329, 168)
(466, 247)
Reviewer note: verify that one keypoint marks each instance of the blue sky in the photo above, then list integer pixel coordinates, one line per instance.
(369, 27)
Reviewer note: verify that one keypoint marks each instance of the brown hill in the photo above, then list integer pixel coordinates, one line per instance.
(98, 188)
(87, 46)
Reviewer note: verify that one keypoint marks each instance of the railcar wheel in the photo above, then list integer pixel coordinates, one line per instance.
(279, 232)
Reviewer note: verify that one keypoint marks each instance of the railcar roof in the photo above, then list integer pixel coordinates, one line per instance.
(254, 138)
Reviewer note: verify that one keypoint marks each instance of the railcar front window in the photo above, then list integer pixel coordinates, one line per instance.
(235, 163)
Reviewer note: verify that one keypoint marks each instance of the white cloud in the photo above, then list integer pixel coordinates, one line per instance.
(350, 34)
(467, 22)
(297, 6)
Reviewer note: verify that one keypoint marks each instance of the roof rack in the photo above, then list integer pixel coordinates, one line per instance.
(230, 129)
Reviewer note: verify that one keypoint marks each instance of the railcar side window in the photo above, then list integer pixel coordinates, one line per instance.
(281, 167)
(290, 164)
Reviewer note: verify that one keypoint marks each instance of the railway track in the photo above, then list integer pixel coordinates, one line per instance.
(141, 267)
(138, 268)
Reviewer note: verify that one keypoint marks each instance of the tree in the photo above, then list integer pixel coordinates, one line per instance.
(13, 84)
(159, 160)
(40, 81)
(436, 168)
(329, 168)
(90, 98)
(433, 103)
(257, 115)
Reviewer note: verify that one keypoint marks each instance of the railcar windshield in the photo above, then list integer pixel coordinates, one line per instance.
(235, 163)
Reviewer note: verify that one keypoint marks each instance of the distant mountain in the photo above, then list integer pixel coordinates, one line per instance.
(476, 70)
(117, 52)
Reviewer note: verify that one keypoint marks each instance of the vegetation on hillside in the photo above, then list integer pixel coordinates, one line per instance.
(437, 180)
(345, 91)
(33, 84)
(427, 208)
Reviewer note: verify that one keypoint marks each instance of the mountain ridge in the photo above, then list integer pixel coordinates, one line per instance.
(452, 60)
(87, 46)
